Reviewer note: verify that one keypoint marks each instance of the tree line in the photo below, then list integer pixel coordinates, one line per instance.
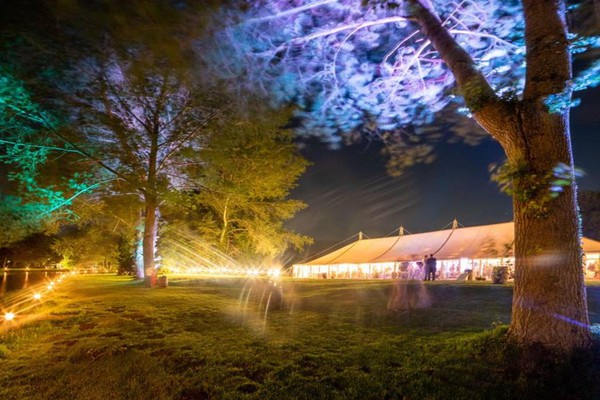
(111, 134)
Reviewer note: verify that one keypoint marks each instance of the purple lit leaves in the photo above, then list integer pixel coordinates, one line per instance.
(346, 65)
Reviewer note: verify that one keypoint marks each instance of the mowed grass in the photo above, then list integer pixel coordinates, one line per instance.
(108, 337)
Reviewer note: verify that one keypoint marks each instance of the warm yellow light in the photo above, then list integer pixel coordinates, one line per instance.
(49, 287)
(9, 316)
(275, 273)
(37, 296)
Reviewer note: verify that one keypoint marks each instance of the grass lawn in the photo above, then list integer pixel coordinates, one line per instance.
(108, 337)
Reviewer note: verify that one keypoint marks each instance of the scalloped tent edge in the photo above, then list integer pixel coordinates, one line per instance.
(478, 248)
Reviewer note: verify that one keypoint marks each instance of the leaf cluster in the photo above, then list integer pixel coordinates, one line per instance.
(248, 169)
(533, 188)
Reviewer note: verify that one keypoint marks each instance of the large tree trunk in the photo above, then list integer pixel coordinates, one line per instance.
(151, 208)
(149, 241)
(549, 299)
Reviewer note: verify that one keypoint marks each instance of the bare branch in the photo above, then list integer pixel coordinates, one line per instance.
(472, 84)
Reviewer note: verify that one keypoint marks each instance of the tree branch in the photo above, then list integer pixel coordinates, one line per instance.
(490, 112)
(96, 160)
(36, 146)
(473, 86)
(548, 58)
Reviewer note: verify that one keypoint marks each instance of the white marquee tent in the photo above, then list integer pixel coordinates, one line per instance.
(476, 248)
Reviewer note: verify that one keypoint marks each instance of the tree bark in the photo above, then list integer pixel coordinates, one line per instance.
(151, 208)
(225, 222)
(149, 240)
(549, 299)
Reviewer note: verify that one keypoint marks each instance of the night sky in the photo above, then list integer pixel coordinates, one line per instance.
(348, 190)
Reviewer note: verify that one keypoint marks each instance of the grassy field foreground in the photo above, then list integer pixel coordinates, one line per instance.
(108, 337)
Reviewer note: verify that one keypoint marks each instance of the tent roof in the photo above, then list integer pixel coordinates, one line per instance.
(485, 241)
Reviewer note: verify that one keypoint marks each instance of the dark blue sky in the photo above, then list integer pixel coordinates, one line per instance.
(349, 190)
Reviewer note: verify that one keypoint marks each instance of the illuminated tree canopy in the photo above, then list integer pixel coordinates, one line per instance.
(368, 67)
(113, 107)
(241, 199)
(33, 147)
(345, 63)
(131, 122)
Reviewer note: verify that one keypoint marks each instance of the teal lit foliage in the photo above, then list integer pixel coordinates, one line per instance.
(28, 144)
(353, 67)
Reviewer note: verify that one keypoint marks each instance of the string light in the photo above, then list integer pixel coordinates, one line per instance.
(10, 316)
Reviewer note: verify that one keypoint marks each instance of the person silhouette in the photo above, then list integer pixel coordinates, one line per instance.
(432, 266)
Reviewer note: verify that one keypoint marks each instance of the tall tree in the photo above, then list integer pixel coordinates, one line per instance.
(145, 125)
(381, 66)
(249, 167)
(128, 104)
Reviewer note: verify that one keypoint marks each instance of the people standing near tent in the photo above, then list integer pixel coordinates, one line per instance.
(409, 294)
(418, 271)
(432, 262)
(426, 266)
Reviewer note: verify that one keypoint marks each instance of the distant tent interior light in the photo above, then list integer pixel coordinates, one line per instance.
(461, 253)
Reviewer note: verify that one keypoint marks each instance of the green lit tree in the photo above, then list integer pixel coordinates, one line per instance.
(45, 174)
(127, 107)
(241, 199)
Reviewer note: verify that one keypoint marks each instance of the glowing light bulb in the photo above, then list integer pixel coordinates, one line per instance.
(9, 316)
(49, 287)
(276, 273)
(37, 296)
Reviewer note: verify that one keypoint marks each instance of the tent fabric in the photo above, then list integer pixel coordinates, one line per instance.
(476, 242)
